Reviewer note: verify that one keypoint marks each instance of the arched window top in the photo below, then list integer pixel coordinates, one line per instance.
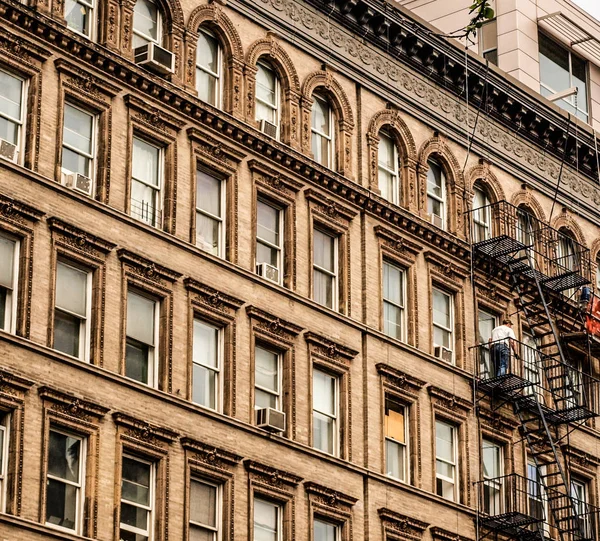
(323, 131)
(209, 68)
(147, 23)
(388, 167)
(268, 98)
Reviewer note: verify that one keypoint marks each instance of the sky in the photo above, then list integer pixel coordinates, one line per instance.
(591, 6)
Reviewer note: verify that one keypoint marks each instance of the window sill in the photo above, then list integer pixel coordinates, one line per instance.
(45, 532)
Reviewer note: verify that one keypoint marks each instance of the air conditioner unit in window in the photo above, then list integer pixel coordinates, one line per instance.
(155, 58)
(8, 151)
(268, 128)
(79, 183)
(437, 221)
(268, 271)
(270, 419)
(443, 353)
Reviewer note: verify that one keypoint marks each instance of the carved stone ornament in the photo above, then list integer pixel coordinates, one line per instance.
(152, 117)
(22, 50)
(447, 401)
(328, 207)
(144, 432)
(84, 81)
(16, 211)
(271, 324)
(12, 384)
(397, 379)
(329, 349)
(208, 297)
(329, 497)
(146, 269)
(396, 243)
(439, 534)
(213, 149)
(273, 179)
(209, 455)
(445, 268)
(496, 423)
(403, 526)
(79, 239)
(72, 406)
(267, 475)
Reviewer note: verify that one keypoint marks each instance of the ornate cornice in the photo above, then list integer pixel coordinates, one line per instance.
(210, 455)
(78, 237)
(210, 146)
(400, 380)
(10, 208)
(270, 475)
(70, 404)
(328, 206)
(403, 526)
(212, 297)
(273, 178)
(147, 268)
(328, 348)
(89, 83)
(328, 496)
(397, 243)
(142, 430)
(447, 401)
(153, 116)
(271, 323)
(11, 383)
(446, 268)
(439, 534)
(581, 459)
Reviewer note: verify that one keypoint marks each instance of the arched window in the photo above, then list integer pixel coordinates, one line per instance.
(436, 194)
(566, 255)
(209, 68)
(323, 133)
(388, 176)
(147, 24)
(268, 99)
(482, 215)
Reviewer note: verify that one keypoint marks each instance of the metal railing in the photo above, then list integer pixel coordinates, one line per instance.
(145, 212)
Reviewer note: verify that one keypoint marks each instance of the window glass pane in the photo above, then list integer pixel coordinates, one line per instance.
(392, 320)
(207, 233)
(203, 504)
(140, 318)
(324, 250)
(204, 386)
(145, 161)
(491, 460)
(267, 369)
(394, 422)
(3, 423)
(67, 330)
(487, 322)
(78, 129)
(207, 53)
(441, 309)
(145, 19)
(63, 456)
(554, 65)
(386, 152)
(266, 521)
(323, 436)
(136, 360)
(394, 459)
(441, 337)
(324, 531)
(266, 84)
(61, 504)
(206, 340)
(135, 484)
(323, 288)
(136, 517)
(434, 179)
(208, 193)
(267, 223)
(71, 289)
(320, 117)
(11, 90)
(78, 16)
(74, 162)
(392, 284)
(444, 441)
(7, 262)
(321, 149)
(324, 391)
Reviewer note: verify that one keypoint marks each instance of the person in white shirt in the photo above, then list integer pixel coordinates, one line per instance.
(503, 339)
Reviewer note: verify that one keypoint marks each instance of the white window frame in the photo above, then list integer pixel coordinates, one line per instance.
(331, 137)
(278, 394)
(543, 497)
(280, 249)
(221, 220)
(394, 197)
(274, 107)
(20, 122)
(218, 75)
(581, 504)
(335, 293)
(219, 368)
(338, 528)
(450, 329)
(404, 446)
(91, 157)
(158, 189)
(482, 216)
(153, 350)
(149, 533)
(85, 322)
(5, 419)
(401, 307)
(79, 486)
(485, 360)
(159, 25)
(485, 51)
(336, 414)
(493, 482)
(92, 19)
(441, 199)
(278, 506)
(12, 295)
(216, 531)
(454, 464)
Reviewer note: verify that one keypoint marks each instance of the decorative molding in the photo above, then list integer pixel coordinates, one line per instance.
(12, 384)
(439, 534)
(15, 210)
(329, 497)
(210, 455)
(271, 324)
(270, 476)
(147, 269)
(396, 243)
(445, 269)
(152, 117)
(21, 49)
(214, 149)
(445, 401)
(581, 459)
(274, 180)
(402, 526)
(328, 207)
(84, 81)
(399, 380)
(211, 298)
(72, 405)
(496, 423)
(79, 239)
(143, 431)
(329, 349)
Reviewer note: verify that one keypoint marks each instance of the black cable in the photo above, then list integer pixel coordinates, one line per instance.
(562, 163)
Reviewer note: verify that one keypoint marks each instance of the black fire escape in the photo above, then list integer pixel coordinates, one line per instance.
(543, 378)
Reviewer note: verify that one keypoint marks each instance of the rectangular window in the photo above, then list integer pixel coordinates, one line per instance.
(536, 497)
(79, 144)
(146, 182)
(4, 450)
(446, 460)
(12, 113)
(489, 41)
(64, 485)
(141, 358)
(560, 70)
(269, 241)
(388, 175)
(9, 272)
(325, 269)
(325, 531)
(267, 378)
(206, 369)
(137, 499)
(205, 510)
(396, 430)
(210, 213)
(267, 521)
(436, 194)
(394, 292)
(486, 324)
(79, 15)
(579, 493)
(72, 310)
(443, 325)
(325, 412)
(322, 132)
(492, 473)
